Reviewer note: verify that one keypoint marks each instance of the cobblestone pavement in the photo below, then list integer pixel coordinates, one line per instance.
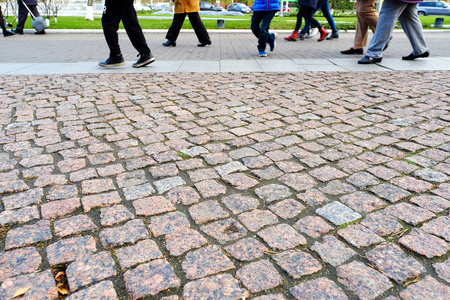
(226, 186)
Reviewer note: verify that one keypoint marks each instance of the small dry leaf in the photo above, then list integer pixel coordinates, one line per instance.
(62, 288)
(60, 276)
(21, 292)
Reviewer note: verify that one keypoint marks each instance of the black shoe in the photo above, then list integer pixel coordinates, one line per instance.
(366, 60)
(7, 33)
(413, 57)
(334, 35)
(353, 51)
(204, 44)
(303, 35)
(112, 62)
(169, 43)
(40, 32)
(15, 31)
(144, 59)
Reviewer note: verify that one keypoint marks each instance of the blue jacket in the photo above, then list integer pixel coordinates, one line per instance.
(266, 5)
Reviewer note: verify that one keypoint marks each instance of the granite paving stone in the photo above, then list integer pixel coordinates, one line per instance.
(114, 214)
(298, 181)
(327, 173)
(238, 203)
(389, 192)
(320, 288)
(432, 203)
(19, 261)
(90, 269)
(362, 202)
(256, 219)
(259, 276)
(17, 216)
(240, 181)
(103, 290)
(337, 187)
(210, 188)
(439, 227)
(443, 190)
(443, 270)
(337, 213)
(365, 282)
(150, 279)
(70, 249)
(207, 211)
(28, 234)
(100, 200)
(130, 232)
(59, 192)
(59, 208)
(393, 262)
(409, 213)
(271, 297)
(412, 184)
(74, 225)
(282, 237)
(213, 288)
(312, 226)
(427, 288)
(224, 230)
(142, 251)
(287, 209)
(247, 249)
(312, 197)
(153, 206)
(359, 236)
(273, 192)
(168, 223)
(138, 191)
(382, 223)
(184, 195)
(205, 261)
(424, 244)
(181, 241)
(297, 263)
(333, 251)
(268, 173)
(38, 286)
(23, 199)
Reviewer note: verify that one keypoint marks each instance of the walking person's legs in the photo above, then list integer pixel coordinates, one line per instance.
(199, 29)
(112, 14)
(389, 14)
(410, 22)
(174, 29)
(3, 25)
(22, 17)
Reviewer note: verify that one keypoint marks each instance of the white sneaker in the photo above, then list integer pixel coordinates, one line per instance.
(313, 32)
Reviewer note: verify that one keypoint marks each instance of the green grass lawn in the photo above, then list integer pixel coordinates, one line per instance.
(231, 22)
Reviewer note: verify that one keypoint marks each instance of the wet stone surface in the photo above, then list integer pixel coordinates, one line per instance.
(289, 191)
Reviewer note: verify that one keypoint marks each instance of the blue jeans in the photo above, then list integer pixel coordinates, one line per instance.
(406, 13)
(262, 31)
(325, 7)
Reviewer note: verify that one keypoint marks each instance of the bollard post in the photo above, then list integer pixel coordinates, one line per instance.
(439, 23)
(220, 23)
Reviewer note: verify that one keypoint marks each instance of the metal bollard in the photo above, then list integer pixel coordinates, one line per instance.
(439, 23)
(220, 23)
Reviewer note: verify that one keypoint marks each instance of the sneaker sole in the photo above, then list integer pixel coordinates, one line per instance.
(145, 63)
(263, 55)
(111, 65)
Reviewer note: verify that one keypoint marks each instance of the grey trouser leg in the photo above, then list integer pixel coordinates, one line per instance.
(413, 29)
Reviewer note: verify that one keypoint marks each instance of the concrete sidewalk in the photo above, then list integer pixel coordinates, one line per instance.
(77, 52)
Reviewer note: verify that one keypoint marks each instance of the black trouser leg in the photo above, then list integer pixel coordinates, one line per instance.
(112, 14)
(199, 28)
(175, 27)
(134, 30)
(307, 13)
(2, 21)
(23, 14)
